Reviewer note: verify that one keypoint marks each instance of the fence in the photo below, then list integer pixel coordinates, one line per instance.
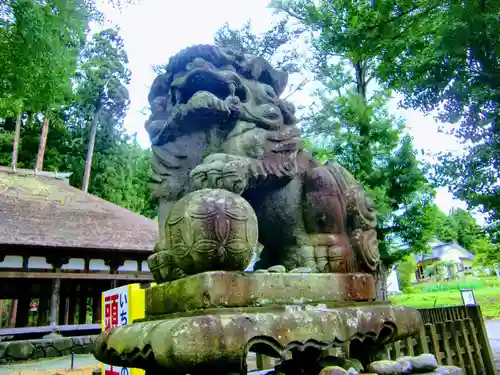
(455, 335)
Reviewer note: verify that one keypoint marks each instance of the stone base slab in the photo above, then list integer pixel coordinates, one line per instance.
(239, 289)
(219, 342)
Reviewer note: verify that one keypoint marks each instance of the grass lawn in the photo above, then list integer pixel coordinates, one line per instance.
(487, 298)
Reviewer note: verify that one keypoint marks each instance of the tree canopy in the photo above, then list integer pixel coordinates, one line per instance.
(49, 69)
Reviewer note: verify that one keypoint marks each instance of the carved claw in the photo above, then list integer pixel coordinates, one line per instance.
(301, 270)
(162, 266)
(274, 269)
(234, 106)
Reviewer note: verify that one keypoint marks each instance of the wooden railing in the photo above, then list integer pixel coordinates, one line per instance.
(456, 335)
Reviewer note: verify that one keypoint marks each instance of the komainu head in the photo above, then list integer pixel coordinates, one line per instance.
(206, 85)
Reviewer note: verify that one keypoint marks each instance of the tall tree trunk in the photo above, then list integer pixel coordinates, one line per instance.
(17, 136)
(90, 151)
(41, 147)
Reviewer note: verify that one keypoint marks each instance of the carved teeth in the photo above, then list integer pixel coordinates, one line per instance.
(232, 88)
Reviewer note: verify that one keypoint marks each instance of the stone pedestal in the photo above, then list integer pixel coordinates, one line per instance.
(209, 322)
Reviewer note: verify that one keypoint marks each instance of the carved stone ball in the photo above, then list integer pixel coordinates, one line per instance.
(211, 230)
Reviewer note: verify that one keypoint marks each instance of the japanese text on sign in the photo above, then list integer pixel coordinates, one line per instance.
(112, 370)
(115, 308)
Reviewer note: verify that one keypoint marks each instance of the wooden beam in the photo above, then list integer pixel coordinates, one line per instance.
(76, 276)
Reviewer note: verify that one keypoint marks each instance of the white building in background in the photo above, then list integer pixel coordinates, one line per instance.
(393, 282)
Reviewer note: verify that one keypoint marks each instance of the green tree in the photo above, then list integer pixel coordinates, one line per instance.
(406, 269)
(272, 45)
(351, 121)
(443, 56)
(275, 45)
(40, 44)
(101, 86)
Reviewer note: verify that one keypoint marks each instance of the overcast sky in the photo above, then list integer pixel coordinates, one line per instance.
(156, 29)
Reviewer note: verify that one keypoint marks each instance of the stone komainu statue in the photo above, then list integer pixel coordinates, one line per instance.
(218, 122)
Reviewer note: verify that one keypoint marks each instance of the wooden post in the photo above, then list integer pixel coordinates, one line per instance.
(96, 308)
(43, 309)
(13, 313)
(63, 304)
(54, 302)
(15, 146)
(23, 311)
(482, 336)
(82, 305)
(82, 310)
(72, 301)
(41, 147)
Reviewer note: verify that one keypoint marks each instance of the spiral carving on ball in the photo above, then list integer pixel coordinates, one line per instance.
(207, 230)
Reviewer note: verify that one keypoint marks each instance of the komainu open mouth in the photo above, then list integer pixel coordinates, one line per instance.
(221, 84)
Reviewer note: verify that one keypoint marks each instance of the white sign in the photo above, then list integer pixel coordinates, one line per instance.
(116, 308)
(468, 297)
(115, 315)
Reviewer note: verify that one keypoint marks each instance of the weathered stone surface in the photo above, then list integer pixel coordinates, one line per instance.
(333, 370)
(386, 367)
(277, 269)
(236, 289)
(20, 350)
(208, 229)
(12, 351)
(217, 339)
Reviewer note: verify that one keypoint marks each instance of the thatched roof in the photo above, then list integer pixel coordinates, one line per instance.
(47, 211)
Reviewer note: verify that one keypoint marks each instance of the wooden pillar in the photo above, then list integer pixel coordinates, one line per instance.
(113, 265)
(63, 304)
(54, 302)
(13, 313)
(96, 308)
(72, 301)
(43, 310)
(1, 312)
(82, 304)
(55, 298)
(23, 311)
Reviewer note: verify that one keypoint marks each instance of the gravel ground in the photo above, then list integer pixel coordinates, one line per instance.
(85, 362)
(493, 327)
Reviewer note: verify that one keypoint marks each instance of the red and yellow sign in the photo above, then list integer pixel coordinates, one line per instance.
(121, 306)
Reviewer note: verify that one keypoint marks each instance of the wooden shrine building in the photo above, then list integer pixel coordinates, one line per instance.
(60, 248)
